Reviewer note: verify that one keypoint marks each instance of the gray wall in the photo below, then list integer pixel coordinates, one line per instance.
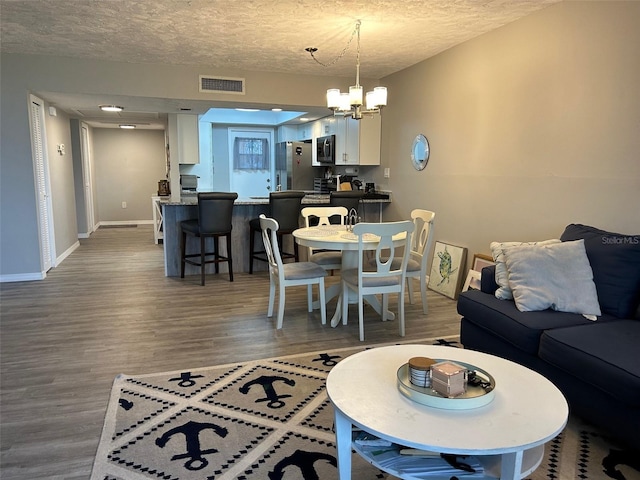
(128, 166)
(532, 126)
(58, 132)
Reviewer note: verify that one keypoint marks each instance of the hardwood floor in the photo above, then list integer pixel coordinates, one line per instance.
(109, 309)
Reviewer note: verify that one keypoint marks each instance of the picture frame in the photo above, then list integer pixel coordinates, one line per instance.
(480, 260)
(473, 281)
(446, 269)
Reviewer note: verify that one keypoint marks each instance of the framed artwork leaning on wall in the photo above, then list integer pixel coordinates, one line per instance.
(446, 269)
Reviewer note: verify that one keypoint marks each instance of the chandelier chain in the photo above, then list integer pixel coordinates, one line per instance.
(356, 31)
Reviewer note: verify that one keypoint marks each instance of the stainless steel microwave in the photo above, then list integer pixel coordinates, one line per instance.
(325, 148)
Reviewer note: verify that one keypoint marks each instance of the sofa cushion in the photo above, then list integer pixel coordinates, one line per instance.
(521, 329)
(615, 261)
(502, 275)
(556, 276)
(603, 355)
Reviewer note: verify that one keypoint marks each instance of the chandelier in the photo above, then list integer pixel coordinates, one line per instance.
(351, 104)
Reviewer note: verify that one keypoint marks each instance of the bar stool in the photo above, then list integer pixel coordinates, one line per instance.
(347, 198)
(284, 207)
(214, 220)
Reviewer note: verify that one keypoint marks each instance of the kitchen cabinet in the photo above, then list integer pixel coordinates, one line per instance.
(188, 139)
(358, 141)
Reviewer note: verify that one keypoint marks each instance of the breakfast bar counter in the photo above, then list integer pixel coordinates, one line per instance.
(244, 210)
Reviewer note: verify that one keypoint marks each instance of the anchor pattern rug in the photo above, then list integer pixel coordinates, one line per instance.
(265, 419)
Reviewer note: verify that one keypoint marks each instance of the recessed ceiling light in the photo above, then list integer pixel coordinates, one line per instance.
(111, 108)
(276, 109)
(247, 109)
(130, 127)
(304, 119)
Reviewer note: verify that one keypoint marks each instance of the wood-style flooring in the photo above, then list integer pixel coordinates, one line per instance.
(109, 309)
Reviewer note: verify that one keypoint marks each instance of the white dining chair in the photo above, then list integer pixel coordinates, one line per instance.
(285, 275)
(421, 241)
(383, 278)
(327, 259)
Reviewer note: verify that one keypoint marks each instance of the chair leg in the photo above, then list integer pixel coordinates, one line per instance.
(423, 292)
(401, 312)
(202, 257)
(252, 234)
(310, 298)
(361, 314)
(323, 306)
(385, 306)
(280, 307)
(230, 260)
(295, 250)
(272, 296)
(216, 254)
(183, 242)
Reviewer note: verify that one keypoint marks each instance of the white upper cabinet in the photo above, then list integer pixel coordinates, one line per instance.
(358, 141)
(188, 139)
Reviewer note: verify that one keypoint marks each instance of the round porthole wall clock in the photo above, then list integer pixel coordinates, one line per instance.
(420, 152)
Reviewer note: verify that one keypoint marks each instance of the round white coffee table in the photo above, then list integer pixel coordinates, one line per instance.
(507, 435)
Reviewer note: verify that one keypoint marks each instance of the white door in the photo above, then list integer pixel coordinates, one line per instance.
(43, 185)
(251, 161)
(86, 179)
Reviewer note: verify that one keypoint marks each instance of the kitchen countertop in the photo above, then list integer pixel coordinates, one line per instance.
(311, 198)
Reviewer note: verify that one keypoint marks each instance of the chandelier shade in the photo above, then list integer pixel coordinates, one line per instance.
(351, 104)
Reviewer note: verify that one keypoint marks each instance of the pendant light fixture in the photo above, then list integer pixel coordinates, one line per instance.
(351, 104)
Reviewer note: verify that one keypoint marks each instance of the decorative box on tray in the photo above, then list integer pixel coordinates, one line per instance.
(448, 379)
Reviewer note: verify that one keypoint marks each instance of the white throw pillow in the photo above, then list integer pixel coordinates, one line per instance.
(556, 276)
(502, 275)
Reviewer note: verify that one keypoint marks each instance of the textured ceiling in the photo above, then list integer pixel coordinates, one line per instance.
(254, 35)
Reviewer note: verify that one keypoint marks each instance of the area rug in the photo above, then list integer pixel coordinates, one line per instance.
(271, 419)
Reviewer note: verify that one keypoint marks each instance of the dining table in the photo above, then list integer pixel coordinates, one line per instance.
(339, 237)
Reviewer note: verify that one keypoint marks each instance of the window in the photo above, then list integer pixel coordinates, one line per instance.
(251, 154)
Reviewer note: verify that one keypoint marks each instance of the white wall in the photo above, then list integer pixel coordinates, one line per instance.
(532, 126)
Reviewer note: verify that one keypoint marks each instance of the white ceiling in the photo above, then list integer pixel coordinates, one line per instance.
(253, 35)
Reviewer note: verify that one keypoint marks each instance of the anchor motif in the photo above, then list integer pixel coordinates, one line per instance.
(191, 431)
(327, 360)
(267, 381)
(304, 461)
(185, 379)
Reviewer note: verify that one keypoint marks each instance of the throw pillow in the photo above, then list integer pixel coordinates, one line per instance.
(502, 275)
(556, 276)
(615, 260)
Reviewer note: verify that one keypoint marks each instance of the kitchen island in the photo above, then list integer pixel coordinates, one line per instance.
(244, 210)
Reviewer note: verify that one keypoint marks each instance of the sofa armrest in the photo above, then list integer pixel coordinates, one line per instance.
(488, 280)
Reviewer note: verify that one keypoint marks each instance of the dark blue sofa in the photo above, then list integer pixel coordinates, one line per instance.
(595, 364)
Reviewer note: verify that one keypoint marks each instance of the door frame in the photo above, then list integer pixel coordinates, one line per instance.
(87, 177)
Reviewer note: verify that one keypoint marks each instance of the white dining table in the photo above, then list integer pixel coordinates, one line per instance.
(337, 237)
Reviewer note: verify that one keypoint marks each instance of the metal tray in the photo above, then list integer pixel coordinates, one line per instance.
(474, 397)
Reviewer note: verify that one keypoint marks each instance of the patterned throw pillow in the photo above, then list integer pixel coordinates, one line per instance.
(502, 275)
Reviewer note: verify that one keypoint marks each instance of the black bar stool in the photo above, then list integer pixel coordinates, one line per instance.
(346, 198)
(214, 220)
(285, 208)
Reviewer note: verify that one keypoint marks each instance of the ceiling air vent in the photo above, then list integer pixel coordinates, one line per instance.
(221, 84)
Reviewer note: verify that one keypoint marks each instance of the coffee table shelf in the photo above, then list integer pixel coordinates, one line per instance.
(491, 464)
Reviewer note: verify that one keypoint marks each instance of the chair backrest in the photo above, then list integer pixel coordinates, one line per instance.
(215, 211)
(385, 250)
(347, 199)
(269, 227)
(422, 236)
(323, 214)
(284, 207)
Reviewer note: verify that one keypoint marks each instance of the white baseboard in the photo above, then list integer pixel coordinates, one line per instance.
(67, 252)
(125, 222)
(23, 277)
